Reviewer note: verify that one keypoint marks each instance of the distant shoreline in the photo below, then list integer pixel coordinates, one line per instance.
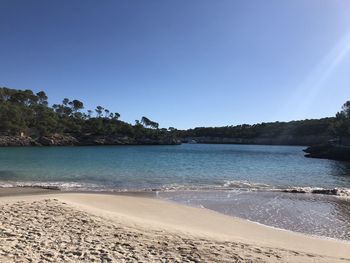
(68, 140)
(327, 152)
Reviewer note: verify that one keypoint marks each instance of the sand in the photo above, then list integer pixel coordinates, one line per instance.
(74, 227)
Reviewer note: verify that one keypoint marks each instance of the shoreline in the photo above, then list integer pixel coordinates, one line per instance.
(143, 193)
(147, 213)
(340, 192)
(40, 190)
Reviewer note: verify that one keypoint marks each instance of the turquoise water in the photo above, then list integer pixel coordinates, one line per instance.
(138, 167)
(248, 181)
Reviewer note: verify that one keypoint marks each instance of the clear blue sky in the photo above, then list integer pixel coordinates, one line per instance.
(183, 63)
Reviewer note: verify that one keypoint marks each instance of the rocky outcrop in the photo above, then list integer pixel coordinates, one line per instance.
(105, 140)
(17, 141)
(85, 140)
(58, 140)
(328, 151)
(124, 140)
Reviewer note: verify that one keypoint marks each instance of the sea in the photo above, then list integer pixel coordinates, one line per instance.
(271, 185)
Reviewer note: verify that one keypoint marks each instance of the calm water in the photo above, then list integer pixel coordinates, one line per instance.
(242, 180)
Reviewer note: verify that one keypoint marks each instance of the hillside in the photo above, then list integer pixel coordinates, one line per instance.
(26, 119)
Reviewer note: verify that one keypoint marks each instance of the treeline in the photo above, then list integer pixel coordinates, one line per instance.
(268, 130)
(341, 125)
(338, 126)
(29, 113)
(23, 112)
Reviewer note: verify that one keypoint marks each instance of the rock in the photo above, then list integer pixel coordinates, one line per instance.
(16, 141)
(328, 151)
(124, 140)
(84, 140)
(58, 140)
(46, 141)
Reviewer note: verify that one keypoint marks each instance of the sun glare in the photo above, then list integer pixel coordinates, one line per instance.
(306, 93)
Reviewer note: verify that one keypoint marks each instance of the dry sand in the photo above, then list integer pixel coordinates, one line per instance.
(64, 227)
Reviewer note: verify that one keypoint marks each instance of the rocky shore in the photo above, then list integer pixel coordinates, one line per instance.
(83, 140)
(328, 151)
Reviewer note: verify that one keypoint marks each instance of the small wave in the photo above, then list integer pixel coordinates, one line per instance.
(246, 186)
(344, 192)
(240, 186)
(48, 185)
(228, 185)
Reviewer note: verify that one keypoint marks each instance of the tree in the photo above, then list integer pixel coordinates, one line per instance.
(346, 109)
(116, 116)
(341, 125)
(145, 121)
(46, 121)
(5, 93)
(66, 108)
(59, 109)
(42, 98)
(148, 123)
(106, 113)
(154, 125)
(99, 111)
(65, 101)
(25, 111)
(77, 105)
(12, 121)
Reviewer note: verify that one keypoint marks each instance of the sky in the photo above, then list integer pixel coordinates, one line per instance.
(183, 63)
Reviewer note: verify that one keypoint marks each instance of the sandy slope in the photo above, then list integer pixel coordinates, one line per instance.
(110, 228)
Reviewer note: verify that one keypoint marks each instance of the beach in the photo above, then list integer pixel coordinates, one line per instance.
(174, 131)
(87, 227)
(271, 185)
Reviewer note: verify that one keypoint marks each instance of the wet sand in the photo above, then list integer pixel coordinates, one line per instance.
(13, 191)
(81, 227)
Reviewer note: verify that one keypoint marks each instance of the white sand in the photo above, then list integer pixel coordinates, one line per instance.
(109, 228)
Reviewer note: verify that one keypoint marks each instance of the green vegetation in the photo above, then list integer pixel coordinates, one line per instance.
(304, 132)
(338, 149)
(24, 112)
(321, 127)
(341, 126)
